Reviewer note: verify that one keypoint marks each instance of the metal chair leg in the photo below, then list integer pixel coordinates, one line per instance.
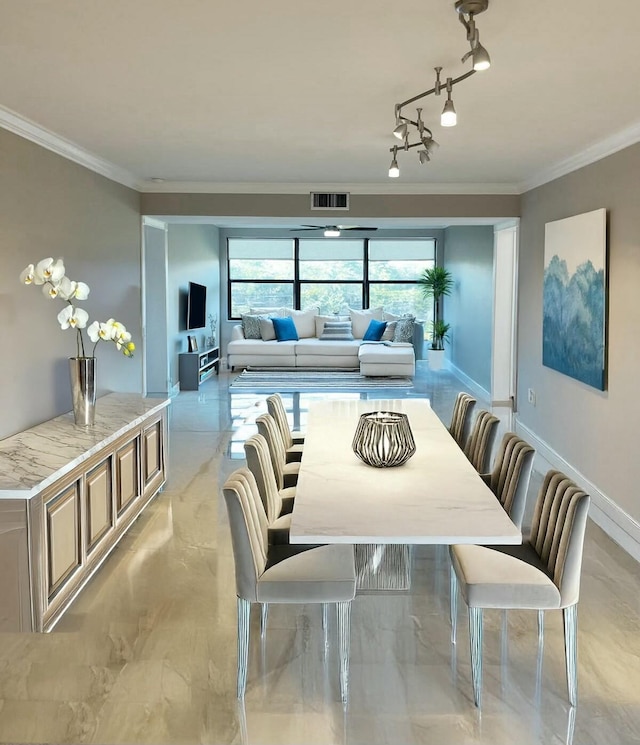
(475, 640)
(325, 616)
(540, 626)
(344, 645)
(453, 603)
(570, 618)
(264, 615)
(244, 612)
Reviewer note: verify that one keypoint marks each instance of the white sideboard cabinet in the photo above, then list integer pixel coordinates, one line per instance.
(67, 496)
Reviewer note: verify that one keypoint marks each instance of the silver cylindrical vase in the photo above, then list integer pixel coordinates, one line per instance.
(384, 439)
(83, 389)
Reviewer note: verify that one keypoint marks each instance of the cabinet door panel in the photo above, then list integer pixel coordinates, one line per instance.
(152, 449)
(99, 503)
(63, 536)
(127, 471)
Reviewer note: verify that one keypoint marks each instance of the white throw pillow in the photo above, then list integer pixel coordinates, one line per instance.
(278, 312)
(390, 317)
(360, 320)
(389, 331)
(267, 331)
(304, 321)
(321, 320)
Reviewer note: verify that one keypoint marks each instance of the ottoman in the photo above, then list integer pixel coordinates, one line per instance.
(386, 359)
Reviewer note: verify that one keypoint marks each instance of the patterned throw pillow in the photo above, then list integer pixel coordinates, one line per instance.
(251, 327)
(404, 330)
(337, 331)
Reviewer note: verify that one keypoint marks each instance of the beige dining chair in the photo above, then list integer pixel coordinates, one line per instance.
(286, 473)
(277, 503)
(541, 574)
(481, 439)
(293, 441)
(461, 416)
(509, 478)
(324, 574)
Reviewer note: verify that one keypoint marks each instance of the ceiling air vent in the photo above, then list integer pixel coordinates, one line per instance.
(321, 200)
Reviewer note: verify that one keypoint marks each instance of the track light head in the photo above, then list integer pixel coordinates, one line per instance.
(401, 130)
(332, 232)
(481, 59)
(394, 171)
(424, 156)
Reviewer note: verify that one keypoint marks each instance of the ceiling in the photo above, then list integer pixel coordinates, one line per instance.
(248, 96)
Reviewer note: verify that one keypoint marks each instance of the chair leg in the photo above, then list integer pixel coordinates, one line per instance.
(344, 645)
(570, 618)
(475, 640)
(540, 626)
(325, 616)
(453, 603)
(264, 615)
(244, 612)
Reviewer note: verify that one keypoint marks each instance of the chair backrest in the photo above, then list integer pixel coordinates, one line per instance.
(460, 417)
(248, 523)
(509, 479)
(557, 532)
(275, 407)
(268, 428)
(480, 442)
(259, 463)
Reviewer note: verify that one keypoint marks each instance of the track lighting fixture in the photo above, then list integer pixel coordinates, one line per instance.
(332, 232)
(394, 171)
(467, 11)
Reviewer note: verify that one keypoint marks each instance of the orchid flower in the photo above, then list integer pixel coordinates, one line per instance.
(51, 274)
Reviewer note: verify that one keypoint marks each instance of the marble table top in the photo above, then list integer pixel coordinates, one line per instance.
(32, 460)
(436, 497)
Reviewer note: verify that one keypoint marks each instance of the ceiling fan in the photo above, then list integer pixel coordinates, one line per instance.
(333, 231)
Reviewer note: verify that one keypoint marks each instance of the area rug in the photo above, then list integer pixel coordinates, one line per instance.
(297, 380)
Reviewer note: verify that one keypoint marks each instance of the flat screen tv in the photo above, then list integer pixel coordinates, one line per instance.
(196, 306)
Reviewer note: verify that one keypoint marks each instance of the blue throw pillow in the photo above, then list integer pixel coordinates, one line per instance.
(375, 330)
(285, 329)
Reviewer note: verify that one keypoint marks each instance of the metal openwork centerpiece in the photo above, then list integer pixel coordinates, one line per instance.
(384, 439)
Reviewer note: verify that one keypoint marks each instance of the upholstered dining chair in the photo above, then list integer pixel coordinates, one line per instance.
(286, 473)
(277, 503)
(324, 574)
(509, 478)
(480, 442)
(541, 574)
(293, 441)
(461, 416)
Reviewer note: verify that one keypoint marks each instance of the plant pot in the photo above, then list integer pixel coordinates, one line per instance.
(435, 358)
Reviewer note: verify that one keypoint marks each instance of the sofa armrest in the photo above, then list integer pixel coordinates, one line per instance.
(237, 332)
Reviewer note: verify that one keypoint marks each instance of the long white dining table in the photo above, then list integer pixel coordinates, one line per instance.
(437, 497)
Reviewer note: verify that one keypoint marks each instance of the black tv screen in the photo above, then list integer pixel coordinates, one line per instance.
(196, 306)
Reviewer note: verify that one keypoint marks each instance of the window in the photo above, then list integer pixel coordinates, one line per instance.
(331, 274)
(261, 274)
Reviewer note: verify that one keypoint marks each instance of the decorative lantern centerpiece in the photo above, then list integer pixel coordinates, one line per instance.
(384, 439)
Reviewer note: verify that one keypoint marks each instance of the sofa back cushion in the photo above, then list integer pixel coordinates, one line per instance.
(304, 321)
(280, 312)
(285, 329)
(360, 320)
(337, 331)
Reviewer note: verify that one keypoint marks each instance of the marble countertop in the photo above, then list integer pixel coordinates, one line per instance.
(436, 497)
(32, 460)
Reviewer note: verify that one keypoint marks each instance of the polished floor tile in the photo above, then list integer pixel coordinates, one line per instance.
(147, 652)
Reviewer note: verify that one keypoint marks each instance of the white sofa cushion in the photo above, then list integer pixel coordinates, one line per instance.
(304, 321)
(323, 348)
(360, 319)
(278, 312)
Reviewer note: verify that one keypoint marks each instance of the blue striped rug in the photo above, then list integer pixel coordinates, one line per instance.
(297, 380)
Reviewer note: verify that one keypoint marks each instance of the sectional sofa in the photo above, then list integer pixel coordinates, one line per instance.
(254, 343)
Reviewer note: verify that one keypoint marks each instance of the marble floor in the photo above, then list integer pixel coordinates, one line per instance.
(146, 654)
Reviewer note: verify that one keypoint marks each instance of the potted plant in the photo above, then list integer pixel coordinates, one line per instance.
(437, 282)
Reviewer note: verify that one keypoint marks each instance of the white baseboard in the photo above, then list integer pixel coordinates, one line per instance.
(474, 387)
(620, 526)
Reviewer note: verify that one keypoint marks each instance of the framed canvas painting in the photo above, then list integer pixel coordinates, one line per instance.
(574, 297)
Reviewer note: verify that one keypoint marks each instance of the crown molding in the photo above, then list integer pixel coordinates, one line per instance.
(598, 151)
(45, 138)
(202, 187)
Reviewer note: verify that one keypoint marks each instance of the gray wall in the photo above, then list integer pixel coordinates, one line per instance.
(50, 206)
(468, 254)
(594, 431)
(194, 256)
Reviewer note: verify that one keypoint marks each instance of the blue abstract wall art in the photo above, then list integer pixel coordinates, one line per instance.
(574, 297)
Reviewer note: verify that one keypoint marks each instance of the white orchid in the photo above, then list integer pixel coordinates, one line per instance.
(51, 274)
